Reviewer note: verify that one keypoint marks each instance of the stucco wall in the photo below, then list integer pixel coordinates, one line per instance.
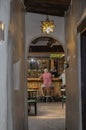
(4, 17)
(73, 111)
(12, 92)
(33, 27)
(16, 33)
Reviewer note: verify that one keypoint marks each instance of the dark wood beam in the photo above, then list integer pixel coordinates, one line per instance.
(49, 7)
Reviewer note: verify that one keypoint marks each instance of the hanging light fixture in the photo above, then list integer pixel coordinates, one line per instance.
(47, 26)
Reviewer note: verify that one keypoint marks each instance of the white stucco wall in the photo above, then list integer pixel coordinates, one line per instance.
(4, 17)
(12, 102)
(33, 27)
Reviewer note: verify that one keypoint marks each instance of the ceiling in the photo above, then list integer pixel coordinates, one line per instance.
(48, 7)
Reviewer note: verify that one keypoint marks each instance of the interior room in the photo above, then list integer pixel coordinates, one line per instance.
(56, 25)
(45, 50)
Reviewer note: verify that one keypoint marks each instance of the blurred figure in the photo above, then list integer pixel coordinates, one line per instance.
(63, 85)
(47, 80)
(54, 72)
(62, 77)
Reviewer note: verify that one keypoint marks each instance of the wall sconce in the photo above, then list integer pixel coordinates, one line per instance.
(1, 31)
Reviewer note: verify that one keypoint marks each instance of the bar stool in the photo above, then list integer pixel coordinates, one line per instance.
(63, 96)
(48, 94)
(37, 90)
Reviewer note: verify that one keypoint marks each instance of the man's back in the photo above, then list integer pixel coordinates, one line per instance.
(47, 78)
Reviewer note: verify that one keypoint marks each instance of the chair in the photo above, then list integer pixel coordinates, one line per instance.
(48, 94)
(37, 91)
(32, 100)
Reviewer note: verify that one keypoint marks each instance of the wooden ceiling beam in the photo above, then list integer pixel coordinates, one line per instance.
(62, 2)
(49, 7)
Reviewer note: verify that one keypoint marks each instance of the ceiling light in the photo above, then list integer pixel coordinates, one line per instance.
(47, 26)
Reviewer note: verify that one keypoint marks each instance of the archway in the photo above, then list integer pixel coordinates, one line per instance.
(45, 51)
(48, 47)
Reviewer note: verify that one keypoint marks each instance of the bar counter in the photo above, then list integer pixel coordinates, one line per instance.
(40, 80)
(35, 83)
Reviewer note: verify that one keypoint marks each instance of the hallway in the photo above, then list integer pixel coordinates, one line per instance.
(50, 116)
(18, 28)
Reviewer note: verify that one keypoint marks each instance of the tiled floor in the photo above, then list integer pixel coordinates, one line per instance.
(50, 116)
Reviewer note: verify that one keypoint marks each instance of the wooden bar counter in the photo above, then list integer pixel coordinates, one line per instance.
(35, 83)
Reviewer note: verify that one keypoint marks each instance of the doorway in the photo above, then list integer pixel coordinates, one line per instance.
(83, 78)
(46, 52)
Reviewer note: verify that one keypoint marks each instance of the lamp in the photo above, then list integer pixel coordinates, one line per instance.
(47, 26)
(1, 31)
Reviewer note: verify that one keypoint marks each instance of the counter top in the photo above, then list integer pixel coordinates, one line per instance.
(39, 80)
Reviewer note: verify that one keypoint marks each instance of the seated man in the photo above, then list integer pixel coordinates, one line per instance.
(47, 80)
(63, 86)
(63, 78)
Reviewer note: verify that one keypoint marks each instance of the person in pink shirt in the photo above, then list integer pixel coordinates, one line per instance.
(47, 80)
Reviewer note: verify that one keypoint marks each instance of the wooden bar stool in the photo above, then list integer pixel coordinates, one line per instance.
(48, 94)
(63, 96)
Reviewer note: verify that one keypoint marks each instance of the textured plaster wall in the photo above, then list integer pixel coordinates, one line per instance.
(12, 95)
(16, 34)
(4, 17)
(33, 27)
(73, 111)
